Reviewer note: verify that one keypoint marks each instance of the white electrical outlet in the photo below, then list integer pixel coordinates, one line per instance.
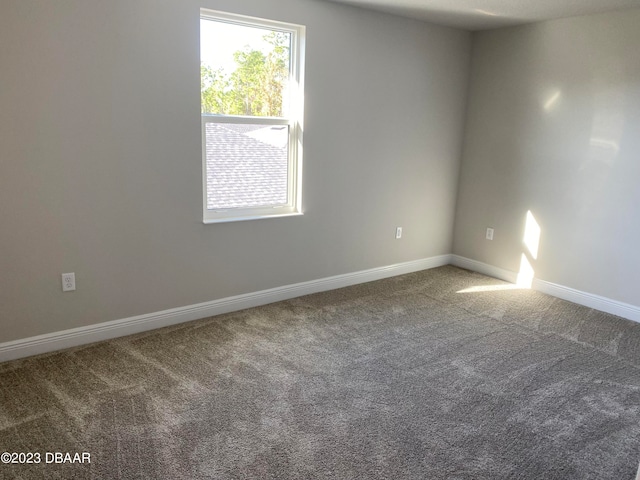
(398, 233)
(68, 282)
(489, 233)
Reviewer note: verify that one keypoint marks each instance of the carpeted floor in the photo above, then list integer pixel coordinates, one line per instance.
(440, 374)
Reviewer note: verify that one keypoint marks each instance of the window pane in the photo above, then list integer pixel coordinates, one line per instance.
(244, 70)
(246, 165)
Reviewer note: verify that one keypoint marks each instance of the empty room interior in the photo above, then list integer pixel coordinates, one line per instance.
(443, 284)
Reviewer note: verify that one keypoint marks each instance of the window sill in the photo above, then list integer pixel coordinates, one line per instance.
(256, 217)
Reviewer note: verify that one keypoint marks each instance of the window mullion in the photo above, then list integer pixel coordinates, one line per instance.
(245, 120)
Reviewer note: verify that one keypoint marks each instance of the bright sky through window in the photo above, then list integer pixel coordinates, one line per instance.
(228, 38)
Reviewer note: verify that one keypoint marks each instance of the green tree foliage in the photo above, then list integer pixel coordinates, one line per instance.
(213, 86)
(255, 87)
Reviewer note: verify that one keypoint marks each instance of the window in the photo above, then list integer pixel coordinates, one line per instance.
(251, 74)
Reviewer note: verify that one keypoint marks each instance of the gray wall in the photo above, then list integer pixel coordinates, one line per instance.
(100, 168)
(574, 162)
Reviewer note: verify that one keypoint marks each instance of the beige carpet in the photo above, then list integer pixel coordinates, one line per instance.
(441, 374)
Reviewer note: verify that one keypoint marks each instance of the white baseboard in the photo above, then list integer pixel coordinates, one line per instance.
(484, 268)
(590, 300)
(117, 328)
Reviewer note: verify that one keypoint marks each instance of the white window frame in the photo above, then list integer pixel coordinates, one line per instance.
(293, 119)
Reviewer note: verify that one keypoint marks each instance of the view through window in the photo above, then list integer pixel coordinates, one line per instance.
(250, 80)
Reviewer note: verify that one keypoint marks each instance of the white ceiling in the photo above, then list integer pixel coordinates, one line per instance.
(485, 14)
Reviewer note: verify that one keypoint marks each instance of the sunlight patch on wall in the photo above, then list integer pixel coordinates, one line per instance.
(552, 100)
(603, 150)
(608, 119)
(532, 235)
(526, 273)
(531, 241)
(484, 12)
(605, 144)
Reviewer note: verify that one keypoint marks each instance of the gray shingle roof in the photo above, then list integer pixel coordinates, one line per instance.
(246, 165)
